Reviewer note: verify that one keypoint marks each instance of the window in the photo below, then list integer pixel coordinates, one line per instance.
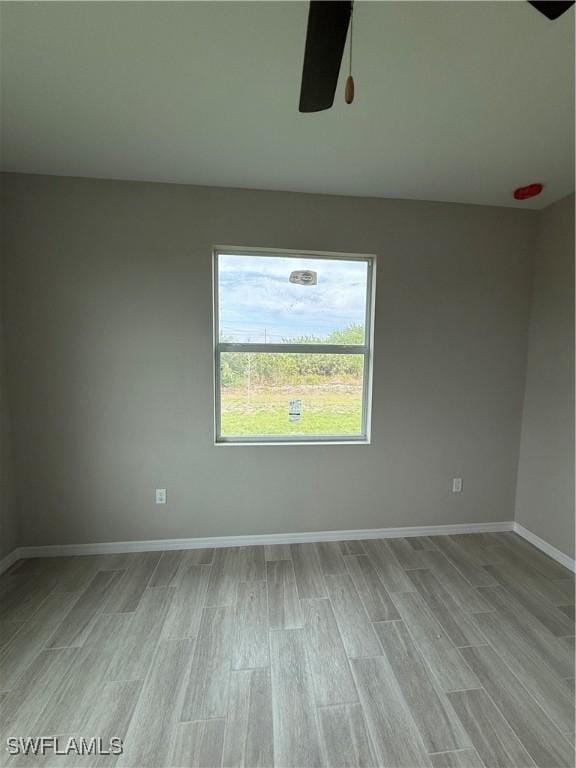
(292, 342)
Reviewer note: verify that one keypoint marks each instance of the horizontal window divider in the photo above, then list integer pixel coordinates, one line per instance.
(317, 349)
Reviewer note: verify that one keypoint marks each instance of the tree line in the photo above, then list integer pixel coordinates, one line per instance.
(263, 368)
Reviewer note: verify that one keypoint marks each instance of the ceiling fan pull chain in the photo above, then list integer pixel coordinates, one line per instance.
(349, 89)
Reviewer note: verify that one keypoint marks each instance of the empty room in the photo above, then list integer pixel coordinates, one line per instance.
(287, 384)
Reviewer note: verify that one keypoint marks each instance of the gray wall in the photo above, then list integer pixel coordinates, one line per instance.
(545, 495)
(108, 288)
(8, 517)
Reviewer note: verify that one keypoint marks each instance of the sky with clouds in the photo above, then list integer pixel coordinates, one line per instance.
(257, 302)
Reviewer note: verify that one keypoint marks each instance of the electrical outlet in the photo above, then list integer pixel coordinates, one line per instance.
(160, 495)
(456, 485)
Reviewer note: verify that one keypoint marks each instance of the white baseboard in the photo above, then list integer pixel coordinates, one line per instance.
(10, 559)
(154, 545)
(548, 549)
(118, 547)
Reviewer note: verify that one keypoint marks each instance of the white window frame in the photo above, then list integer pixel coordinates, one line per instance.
(366, 349)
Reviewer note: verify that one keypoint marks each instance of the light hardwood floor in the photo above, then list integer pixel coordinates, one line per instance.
(437, 652)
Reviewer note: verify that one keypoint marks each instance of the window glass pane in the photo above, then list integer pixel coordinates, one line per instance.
(290, 394)
(258, 303)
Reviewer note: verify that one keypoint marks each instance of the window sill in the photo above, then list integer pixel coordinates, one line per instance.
(267, 443)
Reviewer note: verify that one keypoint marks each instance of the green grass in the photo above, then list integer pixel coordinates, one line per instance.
(326, 410)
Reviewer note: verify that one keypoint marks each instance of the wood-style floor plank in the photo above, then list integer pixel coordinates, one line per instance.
(249, 733)
(307, 571)
(375, 599)
(355, 627)
(187, 604)
(250, 649)
(198, 557)
(531, 669)
(458, 625)
(330, 557)
(448, 667)
(420, 542)
(534, 558)
(557, 622)
(520, 571)
(492, 737)
(74, 699)
(296, 730)
(395, 735)
(518, 620)
(565, 589)
(137, 645)
(130, 588)
(54, 608)
(7, 630)
(154, 724)
(469, 567)
(199, 744)
(570, 642)
(540, 737)
(483, 554)
(387, 567)
(165, 572)
(76, 573)
(467, 597)
(346, 738)
(20, 652)
(251, 564)
(463, 758)
(331, 675)
(352, 548)
(407, 556)
(73, 628)
(22, 596)
(31, 567)
(111, 715)
(284, 607)
(120, 561)
(277, 552)
(223, 583)
(438, 725)
(206, 694)
(23, 705)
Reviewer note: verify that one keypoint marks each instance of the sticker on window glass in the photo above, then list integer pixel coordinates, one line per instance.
(294, 410)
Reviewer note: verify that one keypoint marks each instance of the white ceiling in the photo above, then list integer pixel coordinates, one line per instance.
(458, 101)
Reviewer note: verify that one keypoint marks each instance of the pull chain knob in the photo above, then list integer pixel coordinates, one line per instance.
(349, 90)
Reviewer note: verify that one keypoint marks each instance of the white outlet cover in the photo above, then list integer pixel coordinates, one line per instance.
(161, 495)
(457, 485)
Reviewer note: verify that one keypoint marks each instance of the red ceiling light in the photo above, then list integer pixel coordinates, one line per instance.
(525, 193)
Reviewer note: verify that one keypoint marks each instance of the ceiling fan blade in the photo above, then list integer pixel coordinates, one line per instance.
(551, 8)
(325, 40)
